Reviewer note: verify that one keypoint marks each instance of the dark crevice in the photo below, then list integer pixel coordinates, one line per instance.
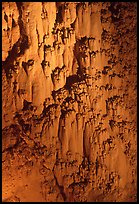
(84, 146)
(59, 127)
(78, 54)
(47, 109)
(73, 24)
(20, 46)
(27, 105)
(77, 8)
(71, 80)
(24, 38)
(97, 165)
(5, 17)
(13, 23)
(12, 147)
(61, 188)
(10, 132)
(59, 15)
(115, 11)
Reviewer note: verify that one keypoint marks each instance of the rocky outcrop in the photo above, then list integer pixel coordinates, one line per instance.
(69, 78)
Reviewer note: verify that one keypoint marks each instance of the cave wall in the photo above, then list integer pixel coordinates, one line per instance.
(69, 78)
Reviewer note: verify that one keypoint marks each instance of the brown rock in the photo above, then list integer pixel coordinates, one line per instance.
(69, 101)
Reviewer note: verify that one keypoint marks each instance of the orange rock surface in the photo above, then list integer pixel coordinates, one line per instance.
(69, 101)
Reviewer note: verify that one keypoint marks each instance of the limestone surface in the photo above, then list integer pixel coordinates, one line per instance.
(69, 101)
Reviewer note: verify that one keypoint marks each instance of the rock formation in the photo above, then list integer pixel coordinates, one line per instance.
(69, 83)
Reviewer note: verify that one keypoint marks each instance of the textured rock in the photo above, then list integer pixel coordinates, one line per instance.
(69, 79)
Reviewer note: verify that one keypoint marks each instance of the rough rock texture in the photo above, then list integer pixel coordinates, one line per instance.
(69, 101)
